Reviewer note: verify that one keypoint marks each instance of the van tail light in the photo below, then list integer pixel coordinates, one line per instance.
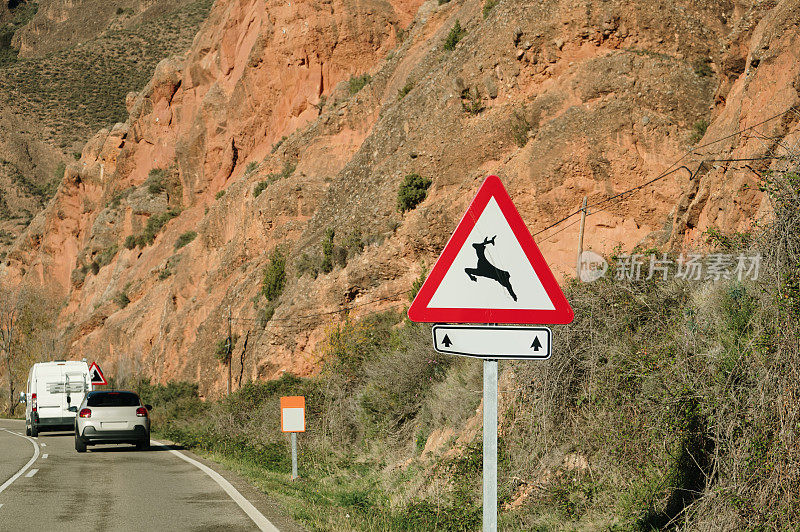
(141, 411)
(34, 403)
(85, 412)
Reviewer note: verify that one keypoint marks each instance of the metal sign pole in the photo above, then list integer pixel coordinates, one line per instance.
(294, 456)
(489, 445)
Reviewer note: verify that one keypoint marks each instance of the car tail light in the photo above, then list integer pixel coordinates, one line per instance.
(34, 403)
(85, 412)
(141, 411)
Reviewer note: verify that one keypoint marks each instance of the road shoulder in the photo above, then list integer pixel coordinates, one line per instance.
(269, 507)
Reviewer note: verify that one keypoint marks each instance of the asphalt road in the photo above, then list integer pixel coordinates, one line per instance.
(115, 487)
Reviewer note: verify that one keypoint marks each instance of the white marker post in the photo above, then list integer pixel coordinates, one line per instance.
(293, 419)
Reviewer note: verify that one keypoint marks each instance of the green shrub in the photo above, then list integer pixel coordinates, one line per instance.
(222, 351)
(356, 83)
(156, 181)
(520, 126)
(274, 275)
(219, 194)
(308, 264)
(327, 251)
(417, 284)
(252, 166)
(121, 299)
(406, 89)
(455, 35)
(699, 130)
(471, 101)
(185, 238)
(412, 192)
(287, 170)
(278, 144)
(130, 242)
(259, 188)
(265, 314)
(107, 255)
(59, 172)
(488, 6)
(702, 67)
(154, 224)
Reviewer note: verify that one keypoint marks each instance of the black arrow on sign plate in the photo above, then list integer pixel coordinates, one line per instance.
(446, 341)
(536, 345)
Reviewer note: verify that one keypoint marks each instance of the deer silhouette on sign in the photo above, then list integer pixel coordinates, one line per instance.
(489, 270)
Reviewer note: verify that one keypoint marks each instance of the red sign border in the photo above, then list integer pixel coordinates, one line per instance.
(419, 311)
(99, 372)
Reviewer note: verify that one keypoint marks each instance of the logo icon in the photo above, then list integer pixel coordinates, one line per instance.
(592, 266)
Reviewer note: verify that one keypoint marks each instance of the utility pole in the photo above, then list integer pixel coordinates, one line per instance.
(580, 239)
(230, 350)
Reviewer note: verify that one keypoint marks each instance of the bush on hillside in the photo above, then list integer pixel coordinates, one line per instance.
(274, 275)
(455, 35)
(412, 192)
(185, 239)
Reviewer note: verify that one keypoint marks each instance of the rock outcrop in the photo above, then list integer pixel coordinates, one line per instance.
(264, 136)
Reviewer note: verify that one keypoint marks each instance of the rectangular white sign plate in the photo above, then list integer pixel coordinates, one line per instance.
(294, 419)
(501, 342)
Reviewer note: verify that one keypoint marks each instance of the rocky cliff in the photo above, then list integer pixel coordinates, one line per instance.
(283, 122)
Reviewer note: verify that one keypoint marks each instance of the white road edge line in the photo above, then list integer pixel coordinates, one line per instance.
(19, 473)
(31, 473)
(257, 517)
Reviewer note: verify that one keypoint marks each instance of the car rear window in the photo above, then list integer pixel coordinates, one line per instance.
(113, 399)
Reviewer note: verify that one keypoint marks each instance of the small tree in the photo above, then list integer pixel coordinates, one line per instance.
(455, 35)
(327, 251)
(27, 315)
(274, 275)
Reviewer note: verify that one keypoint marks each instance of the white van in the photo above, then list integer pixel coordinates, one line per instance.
(54, 391)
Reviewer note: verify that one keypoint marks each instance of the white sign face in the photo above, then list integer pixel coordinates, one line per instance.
(493, 342)
(491, 245)
(294, 419)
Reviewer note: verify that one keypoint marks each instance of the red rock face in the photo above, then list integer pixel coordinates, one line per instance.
(561, 101)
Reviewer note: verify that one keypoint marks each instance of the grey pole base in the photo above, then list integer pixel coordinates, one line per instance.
(294, 456)
(489, 445)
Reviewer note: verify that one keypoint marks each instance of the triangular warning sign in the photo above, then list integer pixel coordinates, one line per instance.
(96, 375)
(491, 270)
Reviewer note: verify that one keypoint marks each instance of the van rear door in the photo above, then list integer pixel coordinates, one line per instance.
(75, 387)
(50, 390)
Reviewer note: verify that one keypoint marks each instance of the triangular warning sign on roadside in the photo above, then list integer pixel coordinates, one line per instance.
(96, 375)
(491, 270)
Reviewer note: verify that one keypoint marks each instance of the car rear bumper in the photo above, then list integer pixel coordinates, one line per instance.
(54, 423)
(137, 433)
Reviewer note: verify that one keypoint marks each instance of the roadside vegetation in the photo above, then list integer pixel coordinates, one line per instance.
(667, 403)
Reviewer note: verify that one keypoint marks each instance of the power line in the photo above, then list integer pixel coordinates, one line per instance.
(670, 170)
(346, 308)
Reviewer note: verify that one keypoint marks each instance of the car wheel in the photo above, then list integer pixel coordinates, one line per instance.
(80, 445)
(34, 430)
(142, 445)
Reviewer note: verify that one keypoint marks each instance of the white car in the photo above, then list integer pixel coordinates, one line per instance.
(112, 417)
(52, 394)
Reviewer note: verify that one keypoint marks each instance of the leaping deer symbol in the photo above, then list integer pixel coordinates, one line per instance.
(489, 270)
